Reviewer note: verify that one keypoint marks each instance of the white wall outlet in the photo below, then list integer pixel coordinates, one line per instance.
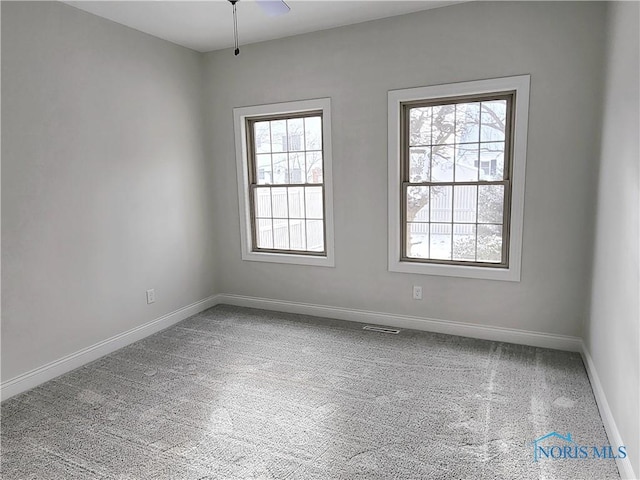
(151, 296)
(417, 292)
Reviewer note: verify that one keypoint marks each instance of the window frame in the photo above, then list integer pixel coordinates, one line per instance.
(244, 117)
(398, 100)
(506, 181)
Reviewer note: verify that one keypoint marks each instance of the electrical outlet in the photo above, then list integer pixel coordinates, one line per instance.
(151, 296)
(417, 292)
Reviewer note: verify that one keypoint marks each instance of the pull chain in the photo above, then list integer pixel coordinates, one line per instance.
(235, 28)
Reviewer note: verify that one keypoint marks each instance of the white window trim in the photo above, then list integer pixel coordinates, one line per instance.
(240, 114)
(518, 83)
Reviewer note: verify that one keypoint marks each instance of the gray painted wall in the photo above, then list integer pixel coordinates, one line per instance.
(559, 44)
(613, 329)
(105, 184)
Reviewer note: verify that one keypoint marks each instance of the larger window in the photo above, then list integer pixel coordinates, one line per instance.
(457, 168)
(284, 169)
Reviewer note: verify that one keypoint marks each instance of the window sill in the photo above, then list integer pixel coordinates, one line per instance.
(510, 274)
(291, 259)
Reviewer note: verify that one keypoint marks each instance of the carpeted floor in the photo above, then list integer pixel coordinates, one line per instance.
(236, 393)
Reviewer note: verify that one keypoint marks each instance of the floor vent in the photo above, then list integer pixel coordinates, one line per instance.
(374, 328)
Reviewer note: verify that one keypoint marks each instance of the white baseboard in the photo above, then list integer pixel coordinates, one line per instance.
(499, 334)
(624, 464)
(63, 365)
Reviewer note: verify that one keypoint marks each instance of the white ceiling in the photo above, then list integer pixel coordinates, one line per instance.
(208, 25)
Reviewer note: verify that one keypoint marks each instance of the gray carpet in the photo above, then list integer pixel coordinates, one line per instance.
(236, 393)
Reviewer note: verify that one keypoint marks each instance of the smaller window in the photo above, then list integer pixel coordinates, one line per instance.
(284, 182)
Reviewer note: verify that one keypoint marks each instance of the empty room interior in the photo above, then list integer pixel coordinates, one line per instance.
(320, 239)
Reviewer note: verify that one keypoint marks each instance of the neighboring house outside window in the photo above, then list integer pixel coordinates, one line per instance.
(284, 182)
(456, 178)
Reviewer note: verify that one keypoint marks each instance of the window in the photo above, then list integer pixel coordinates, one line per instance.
(456, 178)
(284, 182)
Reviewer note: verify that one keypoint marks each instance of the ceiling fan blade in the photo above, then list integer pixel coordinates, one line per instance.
(274, 8)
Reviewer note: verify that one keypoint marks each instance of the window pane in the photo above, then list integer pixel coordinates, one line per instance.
(296, 167)
(295, 130)
(419, 164)
(491, 165)
(262, 200)
(467, 162)
(417, 204)
(420, 126)
(490, 203)
(281, 234)
(315, 235)
(279, 136)
(441, 204)
(279, 202)
(418, 240)
(493, 118)
(443, 122)
(262, 137)
(464, 242)
(264, 236)
(296, 202)
(464, 203)
(280, 168)
(442, 163)
(467, 122)
(314, 167)
(490, 243)
(440, 241)
(263, 166)
(298, 232)
(313, 133)
(313, 199)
